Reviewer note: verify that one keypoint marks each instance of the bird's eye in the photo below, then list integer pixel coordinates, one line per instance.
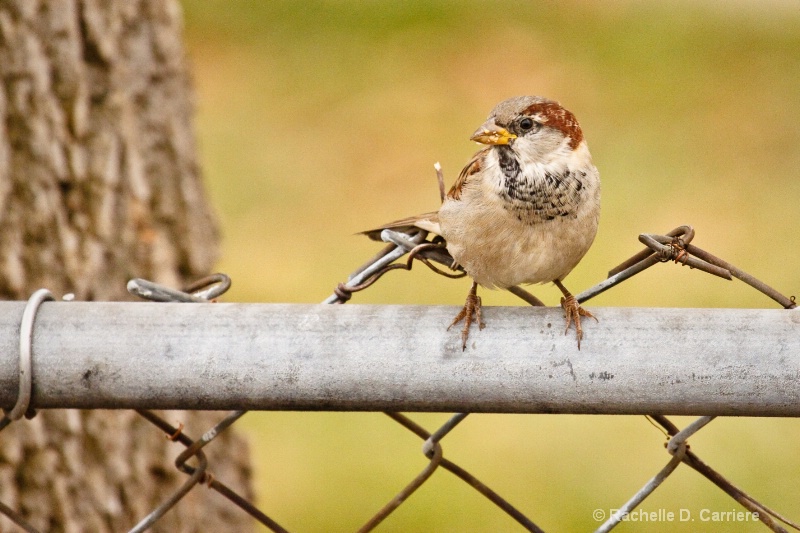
(526, 124)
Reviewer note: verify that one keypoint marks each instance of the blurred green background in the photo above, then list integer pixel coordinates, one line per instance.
(320, 119)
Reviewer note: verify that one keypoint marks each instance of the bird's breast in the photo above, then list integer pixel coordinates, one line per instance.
(511, 230)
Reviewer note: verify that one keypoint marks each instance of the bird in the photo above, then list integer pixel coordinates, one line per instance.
(524, 210)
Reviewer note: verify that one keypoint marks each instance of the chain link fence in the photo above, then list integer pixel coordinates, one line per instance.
(675, 246)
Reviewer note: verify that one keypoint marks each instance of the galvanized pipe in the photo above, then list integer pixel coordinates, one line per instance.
(402, 358)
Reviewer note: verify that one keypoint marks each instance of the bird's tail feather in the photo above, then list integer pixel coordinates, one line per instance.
(427, 221)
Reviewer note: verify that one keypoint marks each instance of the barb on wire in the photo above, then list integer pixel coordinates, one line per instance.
(677, 246)
(637, 263)
(685, 233)
(675, 250)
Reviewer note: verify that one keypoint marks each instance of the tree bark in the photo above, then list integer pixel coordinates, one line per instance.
(99, 182)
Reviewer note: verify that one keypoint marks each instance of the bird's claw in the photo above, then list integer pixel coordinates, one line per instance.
(573, 313)
(471, 312)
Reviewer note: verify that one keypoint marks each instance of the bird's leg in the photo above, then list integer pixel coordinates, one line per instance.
(470, 313)
(572, 311)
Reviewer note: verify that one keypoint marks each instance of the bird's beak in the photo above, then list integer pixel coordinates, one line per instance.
(491, 133)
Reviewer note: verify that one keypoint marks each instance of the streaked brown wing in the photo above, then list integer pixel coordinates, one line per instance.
(473, 167)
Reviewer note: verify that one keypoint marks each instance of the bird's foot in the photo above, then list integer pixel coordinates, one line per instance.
(471, 312)
(573, 313)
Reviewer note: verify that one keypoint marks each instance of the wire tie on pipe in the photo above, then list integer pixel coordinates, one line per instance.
(26, 353)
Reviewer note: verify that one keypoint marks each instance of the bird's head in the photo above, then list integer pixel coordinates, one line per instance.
(532, 126)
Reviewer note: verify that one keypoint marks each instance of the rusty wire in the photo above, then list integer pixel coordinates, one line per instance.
(677, 246)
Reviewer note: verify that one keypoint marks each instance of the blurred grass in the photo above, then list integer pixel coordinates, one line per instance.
(320, 119)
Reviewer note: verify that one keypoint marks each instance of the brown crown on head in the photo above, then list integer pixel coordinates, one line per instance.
(551, 114)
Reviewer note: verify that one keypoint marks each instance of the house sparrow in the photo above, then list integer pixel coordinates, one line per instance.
(524, 209)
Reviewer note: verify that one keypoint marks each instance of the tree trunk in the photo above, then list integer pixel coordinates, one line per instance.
(99, 182)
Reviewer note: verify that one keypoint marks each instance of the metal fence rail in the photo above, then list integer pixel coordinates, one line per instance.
(401, 358)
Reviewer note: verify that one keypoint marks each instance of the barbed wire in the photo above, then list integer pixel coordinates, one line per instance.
(675, 246)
